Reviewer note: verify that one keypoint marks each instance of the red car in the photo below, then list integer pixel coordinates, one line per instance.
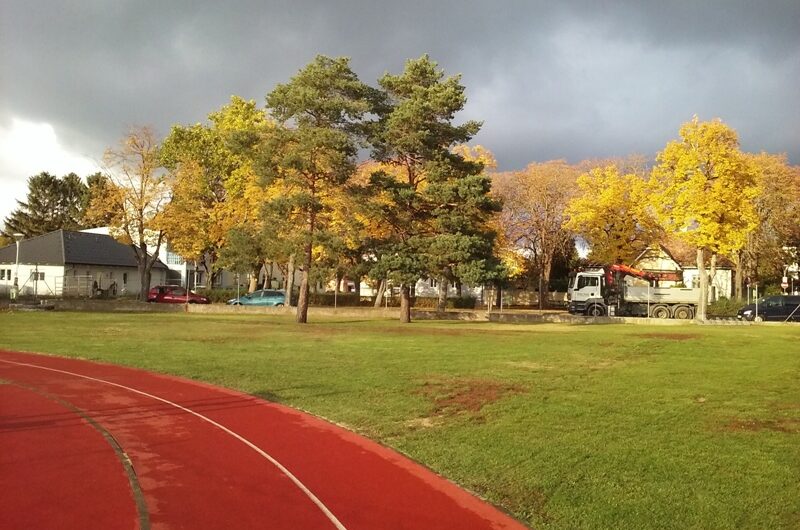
(166, 294)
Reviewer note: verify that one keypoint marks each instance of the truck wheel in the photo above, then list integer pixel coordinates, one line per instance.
(683, 312)
(660, 311)
(596, 311)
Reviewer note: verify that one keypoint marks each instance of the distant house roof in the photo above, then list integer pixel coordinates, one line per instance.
(682, 259)
(657, 251)
(64, 247)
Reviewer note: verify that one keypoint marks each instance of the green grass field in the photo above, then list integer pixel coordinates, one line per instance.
(564, 426)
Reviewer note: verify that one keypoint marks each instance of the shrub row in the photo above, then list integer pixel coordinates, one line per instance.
(220, 296)
(724, 307)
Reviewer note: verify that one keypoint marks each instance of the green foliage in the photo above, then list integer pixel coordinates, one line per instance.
(52, 203)
(340, 300)
(220, 296)
(724, 307)
(242, 252)
(458, 302)
(312, 152)
(438, 204)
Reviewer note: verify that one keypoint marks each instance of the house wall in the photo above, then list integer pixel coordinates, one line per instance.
(73, 280)
(723, 281)
(428, 287)
(126, 279)
(45, 286)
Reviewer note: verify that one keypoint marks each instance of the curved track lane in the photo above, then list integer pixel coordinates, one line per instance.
(157, 450)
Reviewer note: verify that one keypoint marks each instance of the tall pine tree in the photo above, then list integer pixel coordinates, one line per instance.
(52, 204)
(439, 208)
(314, 149)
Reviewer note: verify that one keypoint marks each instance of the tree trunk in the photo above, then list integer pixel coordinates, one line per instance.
(712, 274)
(301, 316)
(738, 282)
(381, 293)
(544, 283)
(441, 305)
(268, 272)
(144, 282)
(702, 304)
(302, 300)
(357, 288)
(459, 288)
(289, 281)
(253, 285)
(405, 304)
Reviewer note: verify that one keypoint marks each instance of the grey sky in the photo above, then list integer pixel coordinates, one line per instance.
(570, 80)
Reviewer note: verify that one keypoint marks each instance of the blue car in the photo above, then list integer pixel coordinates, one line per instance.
(265, 297)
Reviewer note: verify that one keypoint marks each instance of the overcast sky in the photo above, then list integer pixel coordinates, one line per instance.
(550, 80)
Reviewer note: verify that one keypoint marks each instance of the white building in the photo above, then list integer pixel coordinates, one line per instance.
(66, 263)
(657, 259)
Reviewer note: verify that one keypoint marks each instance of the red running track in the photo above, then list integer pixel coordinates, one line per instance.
(86, 445)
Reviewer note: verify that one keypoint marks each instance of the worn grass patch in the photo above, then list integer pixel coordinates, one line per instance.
(451, 396)
(566, 427)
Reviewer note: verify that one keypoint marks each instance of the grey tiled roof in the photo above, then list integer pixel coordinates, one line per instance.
(66, 247)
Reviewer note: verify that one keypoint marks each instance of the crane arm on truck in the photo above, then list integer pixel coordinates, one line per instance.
(624, 270)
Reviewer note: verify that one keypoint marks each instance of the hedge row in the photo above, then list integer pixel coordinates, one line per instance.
(220, 296)
(724, 307)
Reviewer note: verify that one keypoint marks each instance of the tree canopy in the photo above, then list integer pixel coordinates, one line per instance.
(52, 203)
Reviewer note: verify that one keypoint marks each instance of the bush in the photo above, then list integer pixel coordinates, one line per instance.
(724, 307)
(429, 302)
(340, 300)
(220, 296)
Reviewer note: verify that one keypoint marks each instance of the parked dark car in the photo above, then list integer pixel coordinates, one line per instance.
(166, 294)
(775, 308)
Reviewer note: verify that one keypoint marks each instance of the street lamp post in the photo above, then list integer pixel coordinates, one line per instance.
(15, 288)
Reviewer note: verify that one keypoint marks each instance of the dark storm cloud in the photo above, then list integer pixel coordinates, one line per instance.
(550, 80)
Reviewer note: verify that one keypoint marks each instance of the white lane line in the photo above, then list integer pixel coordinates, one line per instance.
(245, 441)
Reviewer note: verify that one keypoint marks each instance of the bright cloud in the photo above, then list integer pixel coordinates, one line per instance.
(28, 148)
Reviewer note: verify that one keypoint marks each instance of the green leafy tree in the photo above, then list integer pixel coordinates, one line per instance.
(314, 148)
(437, 203)
(210, 167)
(52, 204)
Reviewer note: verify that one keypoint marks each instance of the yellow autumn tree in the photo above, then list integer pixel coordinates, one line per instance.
(532, 218)
(772, 245)
(611, 214)
(214, 186)
(134, 198)
(703, 190)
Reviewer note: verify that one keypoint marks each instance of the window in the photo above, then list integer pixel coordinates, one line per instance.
(775, 301)
(588, 281)
(174, 259)
(124, 278)
(37, 276)
(179, 291)
(2, 274)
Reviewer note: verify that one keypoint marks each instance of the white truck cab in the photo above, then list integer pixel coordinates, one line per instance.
(585, 293)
